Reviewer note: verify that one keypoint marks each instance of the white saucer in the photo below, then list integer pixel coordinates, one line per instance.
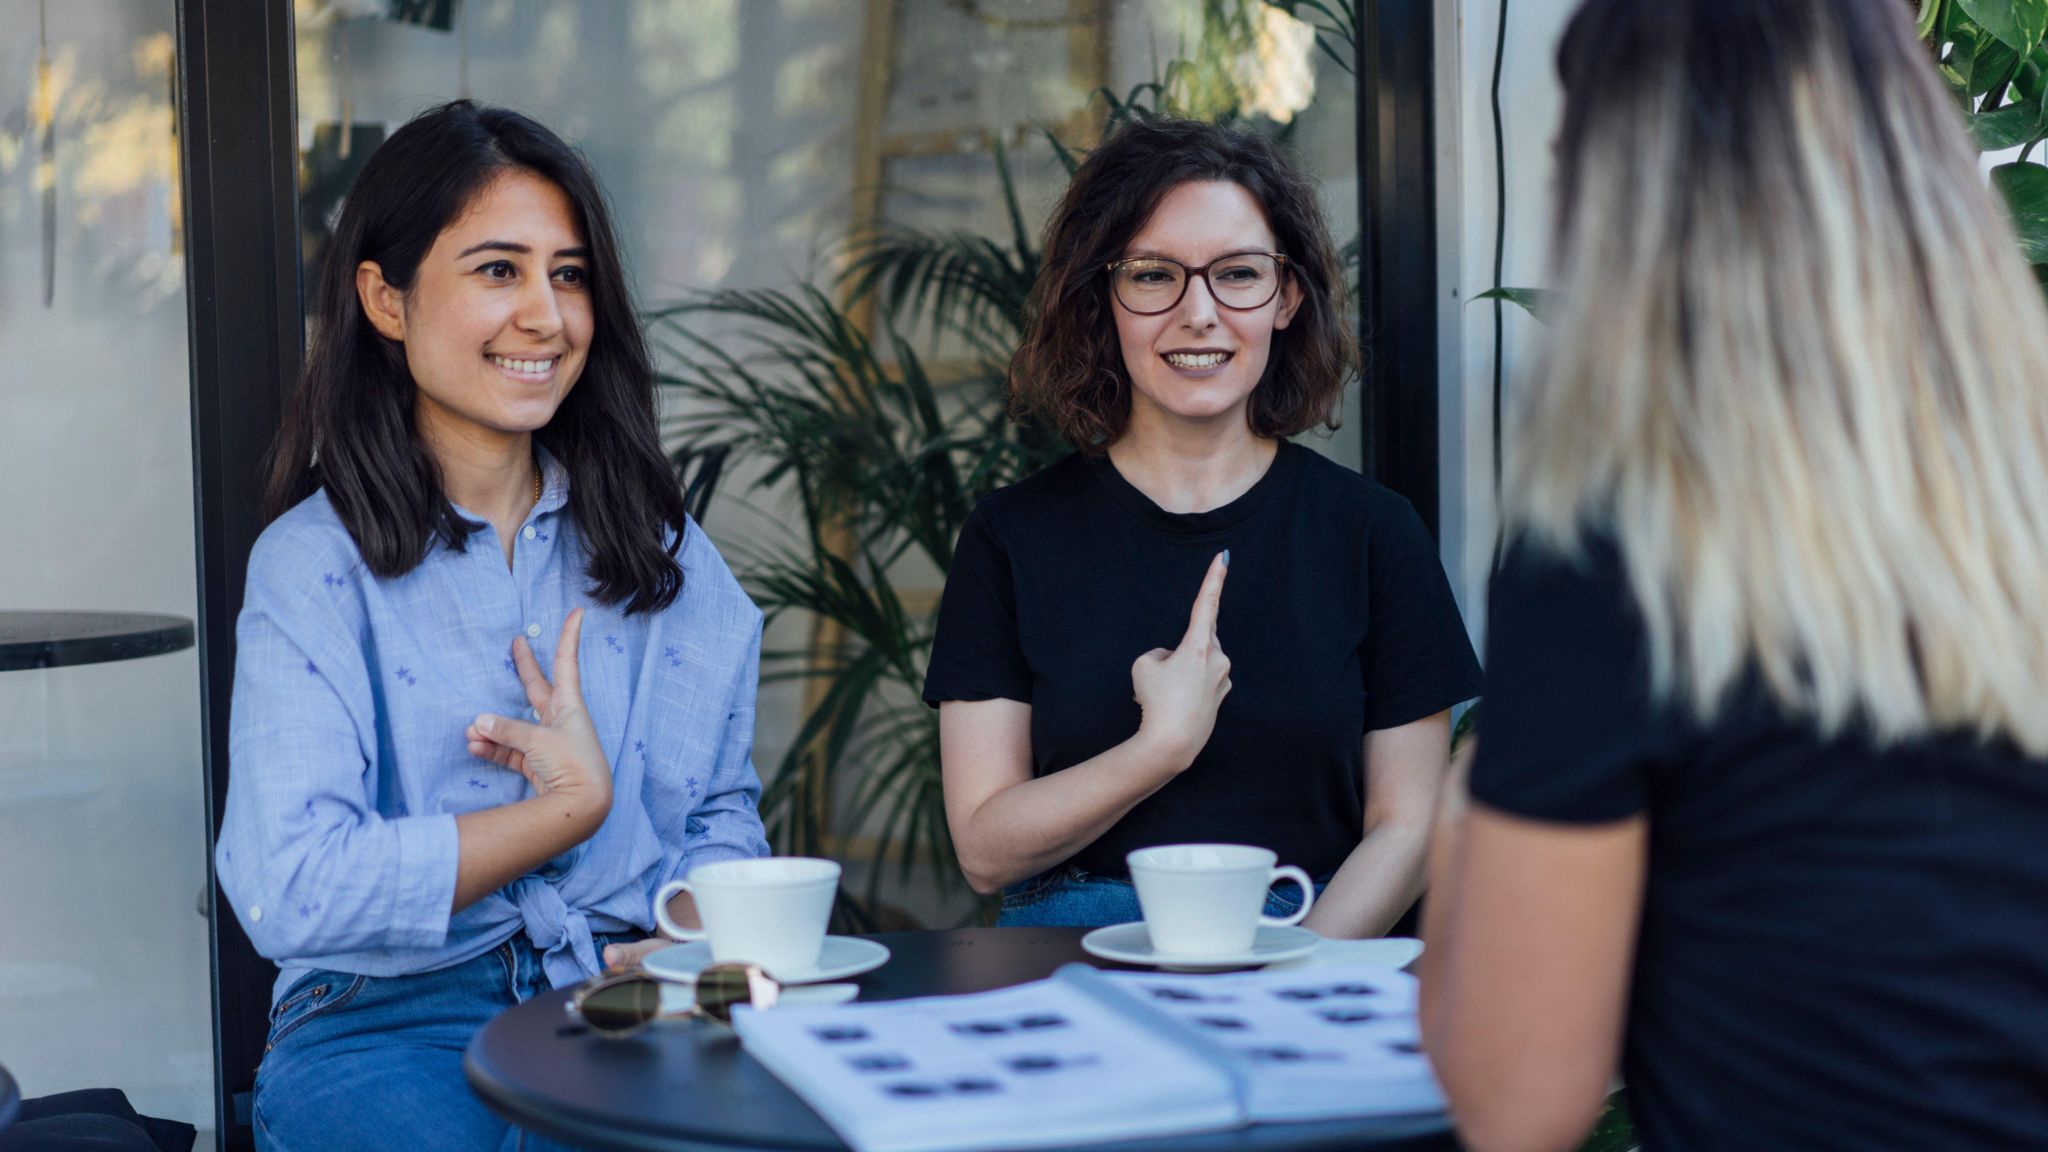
(1131, 944)
(842, 956)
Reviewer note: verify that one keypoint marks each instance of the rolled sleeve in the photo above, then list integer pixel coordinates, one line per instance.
(429, 854)
(310, 865)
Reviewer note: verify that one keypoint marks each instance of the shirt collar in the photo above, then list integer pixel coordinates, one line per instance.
(554, 480)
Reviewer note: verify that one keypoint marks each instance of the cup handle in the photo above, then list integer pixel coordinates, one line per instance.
(1308, 895)
(670, 928)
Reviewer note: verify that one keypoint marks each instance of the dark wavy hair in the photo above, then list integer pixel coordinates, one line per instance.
(1070, 370)
(351, 430)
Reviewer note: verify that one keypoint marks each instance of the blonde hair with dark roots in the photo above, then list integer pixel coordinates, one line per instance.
(1797, 373)
(1070, 371)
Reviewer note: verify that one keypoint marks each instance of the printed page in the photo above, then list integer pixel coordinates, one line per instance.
(1316, 1044)
(1038, 1065)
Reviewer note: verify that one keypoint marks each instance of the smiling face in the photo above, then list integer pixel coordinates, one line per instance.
(1199, 361)
(498, 322)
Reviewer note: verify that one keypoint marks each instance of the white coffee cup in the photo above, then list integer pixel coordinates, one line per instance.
(771, 911)
(1206, 899)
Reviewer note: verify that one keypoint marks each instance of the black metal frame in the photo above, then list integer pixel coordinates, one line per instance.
(237, 126)
(236, 129)
(1397, 291)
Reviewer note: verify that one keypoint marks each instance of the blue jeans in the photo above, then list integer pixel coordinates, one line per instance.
(373, 1063)
(1070, 897)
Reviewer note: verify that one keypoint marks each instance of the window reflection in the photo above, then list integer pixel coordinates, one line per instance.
(104, 966)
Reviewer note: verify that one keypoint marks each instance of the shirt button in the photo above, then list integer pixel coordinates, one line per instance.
(533, 713)
(533, 631)
(530, 532)
(255, 913)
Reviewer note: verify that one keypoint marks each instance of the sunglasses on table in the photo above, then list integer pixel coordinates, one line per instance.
(623, 1003)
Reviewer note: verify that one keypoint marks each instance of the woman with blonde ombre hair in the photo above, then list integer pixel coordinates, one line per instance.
(1759, 811)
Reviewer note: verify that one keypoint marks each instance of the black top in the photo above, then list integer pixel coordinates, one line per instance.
(1841, 946)
(63, 639)
(1336, 617)
(687, 1084)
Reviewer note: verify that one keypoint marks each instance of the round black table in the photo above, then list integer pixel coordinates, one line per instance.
(62, 639)
(687, 1086)
(10, 1100)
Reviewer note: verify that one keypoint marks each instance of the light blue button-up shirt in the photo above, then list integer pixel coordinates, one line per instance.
(348, 762)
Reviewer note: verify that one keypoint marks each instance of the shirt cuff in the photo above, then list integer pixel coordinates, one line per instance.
(680, 868)
(428, 854)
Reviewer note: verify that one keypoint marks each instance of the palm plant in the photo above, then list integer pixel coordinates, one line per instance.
(885, 463)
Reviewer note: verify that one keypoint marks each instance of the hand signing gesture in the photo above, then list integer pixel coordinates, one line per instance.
(560, 753)
(1179, 691)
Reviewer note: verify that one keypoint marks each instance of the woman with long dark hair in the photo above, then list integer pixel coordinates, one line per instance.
(1099, 689)
(493, 688)
(1758, 811)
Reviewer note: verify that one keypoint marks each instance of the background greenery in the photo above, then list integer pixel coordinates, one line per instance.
(1993, 55)
(1994, 61)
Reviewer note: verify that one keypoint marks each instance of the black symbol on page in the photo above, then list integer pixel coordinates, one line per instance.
(1024, 1065)
(983, 1029)
(885, 1062)
(1288, 1055)
(840, 1034)
(1300, 995)
(1187, 996)
(1222, 1023)
(968, 1086)
(1348, 1015)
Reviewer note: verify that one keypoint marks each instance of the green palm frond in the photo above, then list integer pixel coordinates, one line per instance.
(969, 285)
(858, 429)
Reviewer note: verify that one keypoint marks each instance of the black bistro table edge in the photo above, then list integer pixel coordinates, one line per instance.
(10, 1100)
(523, 1066)
(31, 640)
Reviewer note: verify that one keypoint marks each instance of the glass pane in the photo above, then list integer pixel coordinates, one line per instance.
(104, 977)
(744, 143)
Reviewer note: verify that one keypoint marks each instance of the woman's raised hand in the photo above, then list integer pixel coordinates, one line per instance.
(561, 753)
(1179, 691)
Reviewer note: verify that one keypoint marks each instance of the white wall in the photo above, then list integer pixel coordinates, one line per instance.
(1531, 105)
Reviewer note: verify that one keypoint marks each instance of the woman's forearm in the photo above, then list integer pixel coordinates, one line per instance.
(499, 845)
(1030, 826)
(1377, 883)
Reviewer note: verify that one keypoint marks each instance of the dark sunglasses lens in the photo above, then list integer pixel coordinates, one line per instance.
(622, 1007)
(722, 986)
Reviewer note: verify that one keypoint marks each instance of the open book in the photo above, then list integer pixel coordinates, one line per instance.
(1090, 1056)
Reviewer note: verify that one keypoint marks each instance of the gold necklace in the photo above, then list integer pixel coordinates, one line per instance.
(536, 482)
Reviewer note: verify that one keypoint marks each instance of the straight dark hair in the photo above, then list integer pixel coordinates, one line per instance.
(1070, 369)
(351, 426)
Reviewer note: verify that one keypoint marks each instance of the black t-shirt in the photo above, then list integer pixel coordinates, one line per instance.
(1336, 617)
(1841, 946)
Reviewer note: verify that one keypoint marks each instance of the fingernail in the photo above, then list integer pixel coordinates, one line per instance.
(483, 725)
(1226, 557)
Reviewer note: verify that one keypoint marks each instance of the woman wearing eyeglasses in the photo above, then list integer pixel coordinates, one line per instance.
(493, 689)
(1191, 630)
